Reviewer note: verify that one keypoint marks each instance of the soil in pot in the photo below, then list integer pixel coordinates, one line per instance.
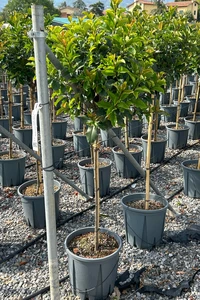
(84, 245)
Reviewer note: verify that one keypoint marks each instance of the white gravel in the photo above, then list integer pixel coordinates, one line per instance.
(167, 265)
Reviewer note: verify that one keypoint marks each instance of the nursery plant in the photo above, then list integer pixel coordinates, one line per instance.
(107, 66)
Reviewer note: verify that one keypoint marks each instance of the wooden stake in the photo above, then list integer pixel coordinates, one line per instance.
(1, 104)
(170, 99)
(10, 117)
(126, 133)
(148, 158)
(196, 102)
(180, 99)
(22, 106)
(39, 175)
(97, 194)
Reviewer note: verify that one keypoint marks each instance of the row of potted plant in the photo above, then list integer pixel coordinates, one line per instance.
(112, 67)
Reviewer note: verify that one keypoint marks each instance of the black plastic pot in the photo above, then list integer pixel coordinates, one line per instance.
(188, 88)
(192, 105)
(87, 176)
(170, 111)
(81, 145)
(92, 278)
(34, 206)
(184, 106)
(164, 98)
(4, 122)
(107, 140)
(177, 138)
(135, 128)
(23, 134)
(15, 111)
(78, 123)
(124, 168)
(4, 94)
(58, 151)
(157, 148)
(59, 128)
(17, 99)
(175, 92)
(144, 228)
(191, 178)
(194, 127)
(12, 170)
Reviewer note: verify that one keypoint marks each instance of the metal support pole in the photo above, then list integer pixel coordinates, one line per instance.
(38, 35)
(136, 165)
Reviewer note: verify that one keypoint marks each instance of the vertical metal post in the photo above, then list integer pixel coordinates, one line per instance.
(46, 146)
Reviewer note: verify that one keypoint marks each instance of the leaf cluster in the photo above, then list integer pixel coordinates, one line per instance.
(108, 67)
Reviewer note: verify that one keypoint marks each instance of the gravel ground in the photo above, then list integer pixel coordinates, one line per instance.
(167, 266)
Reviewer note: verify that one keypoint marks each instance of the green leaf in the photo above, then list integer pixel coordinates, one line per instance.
(92, 134)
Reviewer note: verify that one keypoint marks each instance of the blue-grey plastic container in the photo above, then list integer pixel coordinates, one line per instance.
(191, 178)
(144, 228)
(177, 138)
(34, 206)
(124, 167)
(12, 170)
(157, 148)
(171, 111)
(194, 127)
(92, 278)
(107, 140)
(87, 176)
(81, 145)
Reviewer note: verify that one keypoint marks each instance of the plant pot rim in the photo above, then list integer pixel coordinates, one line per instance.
(189, 162)
(89, 160)
(142, 197)
(30, 182)
(190, 119)
(76, 132)
(91, 229)
(18, 127)
(168, 105)
(60, 120)
(114, 149)
(62, 142)
(144, 138)
(15, 151)
(181, 128)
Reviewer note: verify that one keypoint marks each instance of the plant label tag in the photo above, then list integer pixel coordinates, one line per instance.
(34, 127)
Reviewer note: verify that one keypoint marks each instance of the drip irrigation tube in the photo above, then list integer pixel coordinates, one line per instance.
(22, 249)
(47, 288)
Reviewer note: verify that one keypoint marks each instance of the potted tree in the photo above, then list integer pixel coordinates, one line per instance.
(108, 77)
(144, 213)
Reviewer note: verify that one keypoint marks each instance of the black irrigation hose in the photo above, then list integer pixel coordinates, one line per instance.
(47, 288)
(44, 290)
(22, 249)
